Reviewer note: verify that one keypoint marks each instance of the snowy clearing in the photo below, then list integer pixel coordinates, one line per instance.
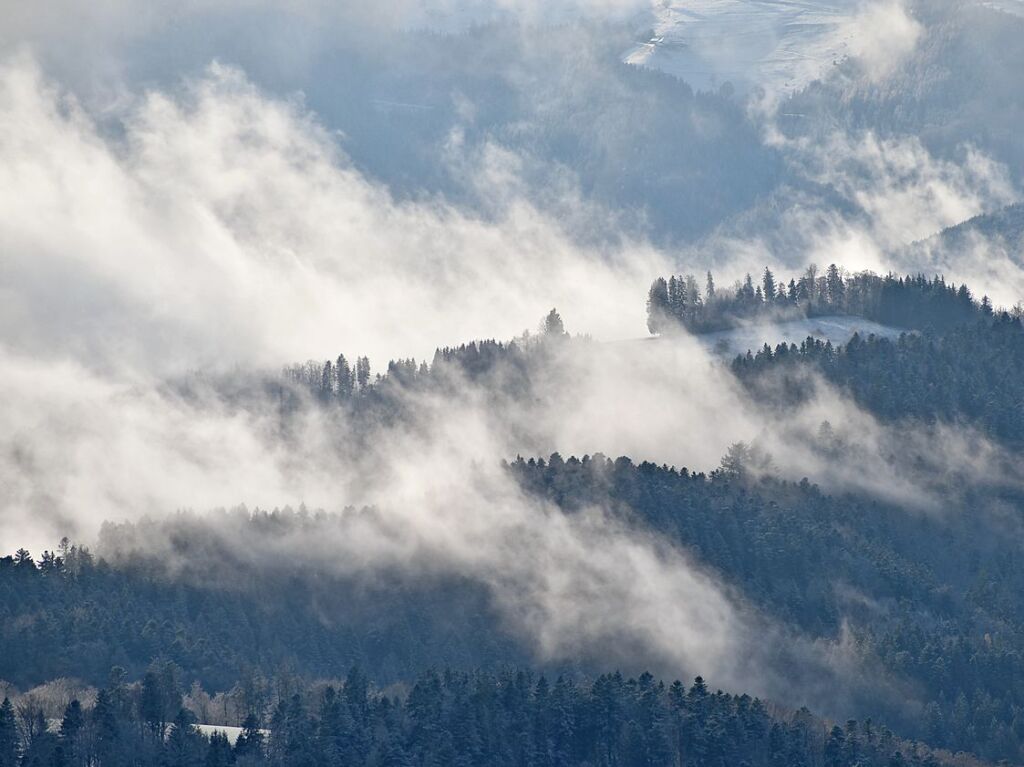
(837, 329)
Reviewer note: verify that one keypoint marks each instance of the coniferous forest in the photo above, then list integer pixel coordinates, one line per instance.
(907, 302)
(121, 656)
(512, 383)
(946, 621)
(451, 717)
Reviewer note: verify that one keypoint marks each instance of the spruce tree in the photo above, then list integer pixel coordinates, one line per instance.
(8, 735)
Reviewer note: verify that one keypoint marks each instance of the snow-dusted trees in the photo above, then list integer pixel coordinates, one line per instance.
(346, 380)
(912, 302)
(659, 313)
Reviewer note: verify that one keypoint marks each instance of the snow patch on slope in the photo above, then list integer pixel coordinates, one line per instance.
(460, 15)
(1013, 7)
(838, 329)
(778, 45)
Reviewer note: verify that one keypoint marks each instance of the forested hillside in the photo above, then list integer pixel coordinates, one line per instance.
(1005, 225)
(970, 374)
(940, 624)
(300, 466)
(946, 622)
(74, 615)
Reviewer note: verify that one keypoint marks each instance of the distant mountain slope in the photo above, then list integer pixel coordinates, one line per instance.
(635, 140)
(1005, 225)
(971, 375)
(961, 85)
(773, 44)
(986, 250)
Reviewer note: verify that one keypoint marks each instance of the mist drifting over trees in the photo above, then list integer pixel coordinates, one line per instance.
(511, 383)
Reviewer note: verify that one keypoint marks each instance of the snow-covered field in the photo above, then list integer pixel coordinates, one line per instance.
(780, 45)
(837, 329)
(232, 733)
(1016, 7)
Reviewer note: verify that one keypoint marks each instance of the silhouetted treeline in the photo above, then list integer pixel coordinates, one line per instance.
(339, 382)
(334, 381)
(910, 302)
(513, 718)
(972, 373)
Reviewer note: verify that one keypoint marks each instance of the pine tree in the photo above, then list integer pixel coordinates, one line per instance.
(185, 745)
(747, 293)
(151, 705)
(833, 756)
(250, 741)
(835, 287)
(676, 298)
(808, 286)
(106, 730)
(768, 285)
(8, 735)
(346, 381)
(327, 382)
(219, 753)
(70, 729)
(693, 293)
(658, 308)
(553, 325)
(362, 372)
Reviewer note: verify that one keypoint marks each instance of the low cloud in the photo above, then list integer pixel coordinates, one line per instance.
(904, 191)
(859, 199)
(224, 227)
(881, 36)
(102, 49)
(221, 229)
